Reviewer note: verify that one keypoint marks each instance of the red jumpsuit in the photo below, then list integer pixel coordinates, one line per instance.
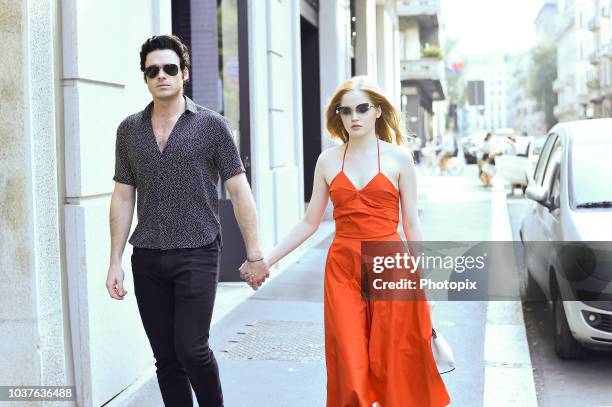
(374, 350)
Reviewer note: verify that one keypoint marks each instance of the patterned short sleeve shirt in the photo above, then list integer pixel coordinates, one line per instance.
(176, 190)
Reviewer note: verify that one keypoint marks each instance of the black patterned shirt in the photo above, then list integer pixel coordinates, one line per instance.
(177, 199)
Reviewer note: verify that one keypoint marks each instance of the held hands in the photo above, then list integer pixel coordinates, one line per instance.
(254, 273)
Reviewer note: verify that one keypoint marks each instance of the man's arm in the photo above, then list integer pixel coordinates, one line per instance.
(246, 213)
(120, 219)
(256, 270)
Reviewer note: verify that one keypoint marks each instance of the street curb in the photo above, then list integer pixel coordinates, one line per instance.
(508, 379)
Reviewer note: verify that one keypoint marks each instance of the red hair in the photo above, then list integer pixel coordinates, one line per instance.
(387, 126)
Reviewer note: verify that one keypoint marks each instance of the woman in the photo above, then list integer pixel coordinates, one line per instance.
(447, 152)
(377, 352)
(487, 162)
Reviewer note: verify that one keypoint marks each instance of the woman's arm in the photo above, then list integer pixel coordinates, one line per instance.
(410, 213)
(311, 221)
(408, 198)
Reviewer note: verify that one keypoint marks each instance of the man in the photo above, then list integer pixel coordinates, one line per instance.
(173, 153)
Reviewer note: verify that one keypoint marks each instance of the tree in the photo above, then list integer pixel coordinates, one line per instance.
(542, 73)
(455, 84)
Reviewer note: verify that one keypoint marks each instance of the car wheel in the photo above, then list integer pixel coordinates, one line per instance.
(530, 291)
(566, 347)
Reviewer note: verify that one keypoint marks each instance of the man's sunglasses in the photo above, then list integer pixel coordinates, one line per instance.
(153, 70)
(360, 109)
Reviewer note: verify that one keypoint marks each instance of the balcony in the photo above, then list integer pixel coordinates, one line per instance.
(606, 50)
(565, 112)
(595, 58)
(426, 11)
(594, 24)
(584, 98)
(595, 96)
(427, 72)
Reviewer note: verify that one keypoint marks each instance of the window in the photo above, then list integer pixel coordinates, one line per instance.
(555, 158)
(214, 77)
(539, 171)
(589, 168)
(555, 187)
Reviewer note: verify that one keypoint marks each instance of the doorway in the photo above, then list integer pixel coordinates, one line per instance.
(216, 32)
(311, 102)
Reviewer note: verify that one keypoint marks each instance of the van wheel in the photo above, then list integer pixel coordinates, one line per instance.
(566, 346)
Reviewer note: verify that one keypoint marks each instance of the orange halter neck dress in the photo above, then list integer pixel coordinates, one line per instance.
(374, 350)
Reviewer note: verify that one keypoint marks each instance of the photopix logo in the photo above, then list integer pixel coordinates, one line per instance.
(480, 271)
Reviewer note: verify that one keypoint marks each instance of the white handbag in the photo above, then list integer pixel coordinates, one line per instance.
(489, 169)
(442, 353)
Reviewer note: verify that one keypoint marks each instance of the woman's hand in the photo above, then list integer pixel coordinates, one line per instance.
(254, 273)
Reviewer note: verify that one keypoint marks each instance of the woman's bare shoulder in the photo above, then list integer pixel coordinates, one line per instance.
(401, 153)
(331, 154)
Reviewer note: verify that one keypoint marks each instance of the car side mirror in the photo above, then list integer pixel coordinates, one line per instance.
(555, 202)
(537, 193)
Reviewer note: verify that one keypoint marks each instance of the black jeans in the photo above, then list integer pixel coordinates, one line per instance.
(175, 292)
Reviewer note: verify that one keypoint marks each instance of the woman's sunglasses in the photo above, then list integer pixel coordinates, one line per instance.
(360, 109)
(153, 70)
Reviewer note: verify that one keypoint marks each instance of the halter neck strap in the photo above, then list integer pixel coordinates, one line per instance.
(346, 149)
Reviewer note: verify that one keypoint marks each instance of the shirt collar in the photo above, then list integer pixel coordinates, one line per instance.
(190, 106)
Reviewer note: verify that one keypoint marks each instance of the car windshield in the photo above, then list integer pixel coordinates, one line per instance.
(590, 169)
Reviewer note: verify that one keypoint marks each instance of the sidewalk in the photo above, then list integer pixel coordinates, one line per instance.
(270, 345)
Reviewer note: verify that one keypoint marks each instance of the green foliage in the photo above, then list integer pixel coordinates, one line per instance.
(456, 83)
(432, 52)
(542, 74)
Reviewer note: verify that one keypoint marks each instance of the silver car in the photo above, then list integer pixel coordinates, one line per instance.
(567, 233)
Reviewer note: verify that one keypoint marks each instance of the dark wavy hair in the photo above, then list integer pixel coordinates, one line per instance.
(172, 42)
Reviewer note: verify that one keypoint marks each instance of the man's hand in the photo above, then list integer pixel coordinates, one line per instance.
(114, 281)
(254, 273)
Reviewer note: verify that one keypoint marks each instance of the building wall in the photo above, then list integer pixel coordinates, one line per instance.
(493, 70)
(101, 85)
(33, 345)
(575, 44)
(365, 48)
(410, 44)
(599, 74)
(334, 53)
(276, 127)
(388, 62)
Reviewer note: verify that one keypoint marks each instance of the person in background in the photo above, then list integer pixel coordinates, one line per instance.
(487, 162)
(447, 152)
